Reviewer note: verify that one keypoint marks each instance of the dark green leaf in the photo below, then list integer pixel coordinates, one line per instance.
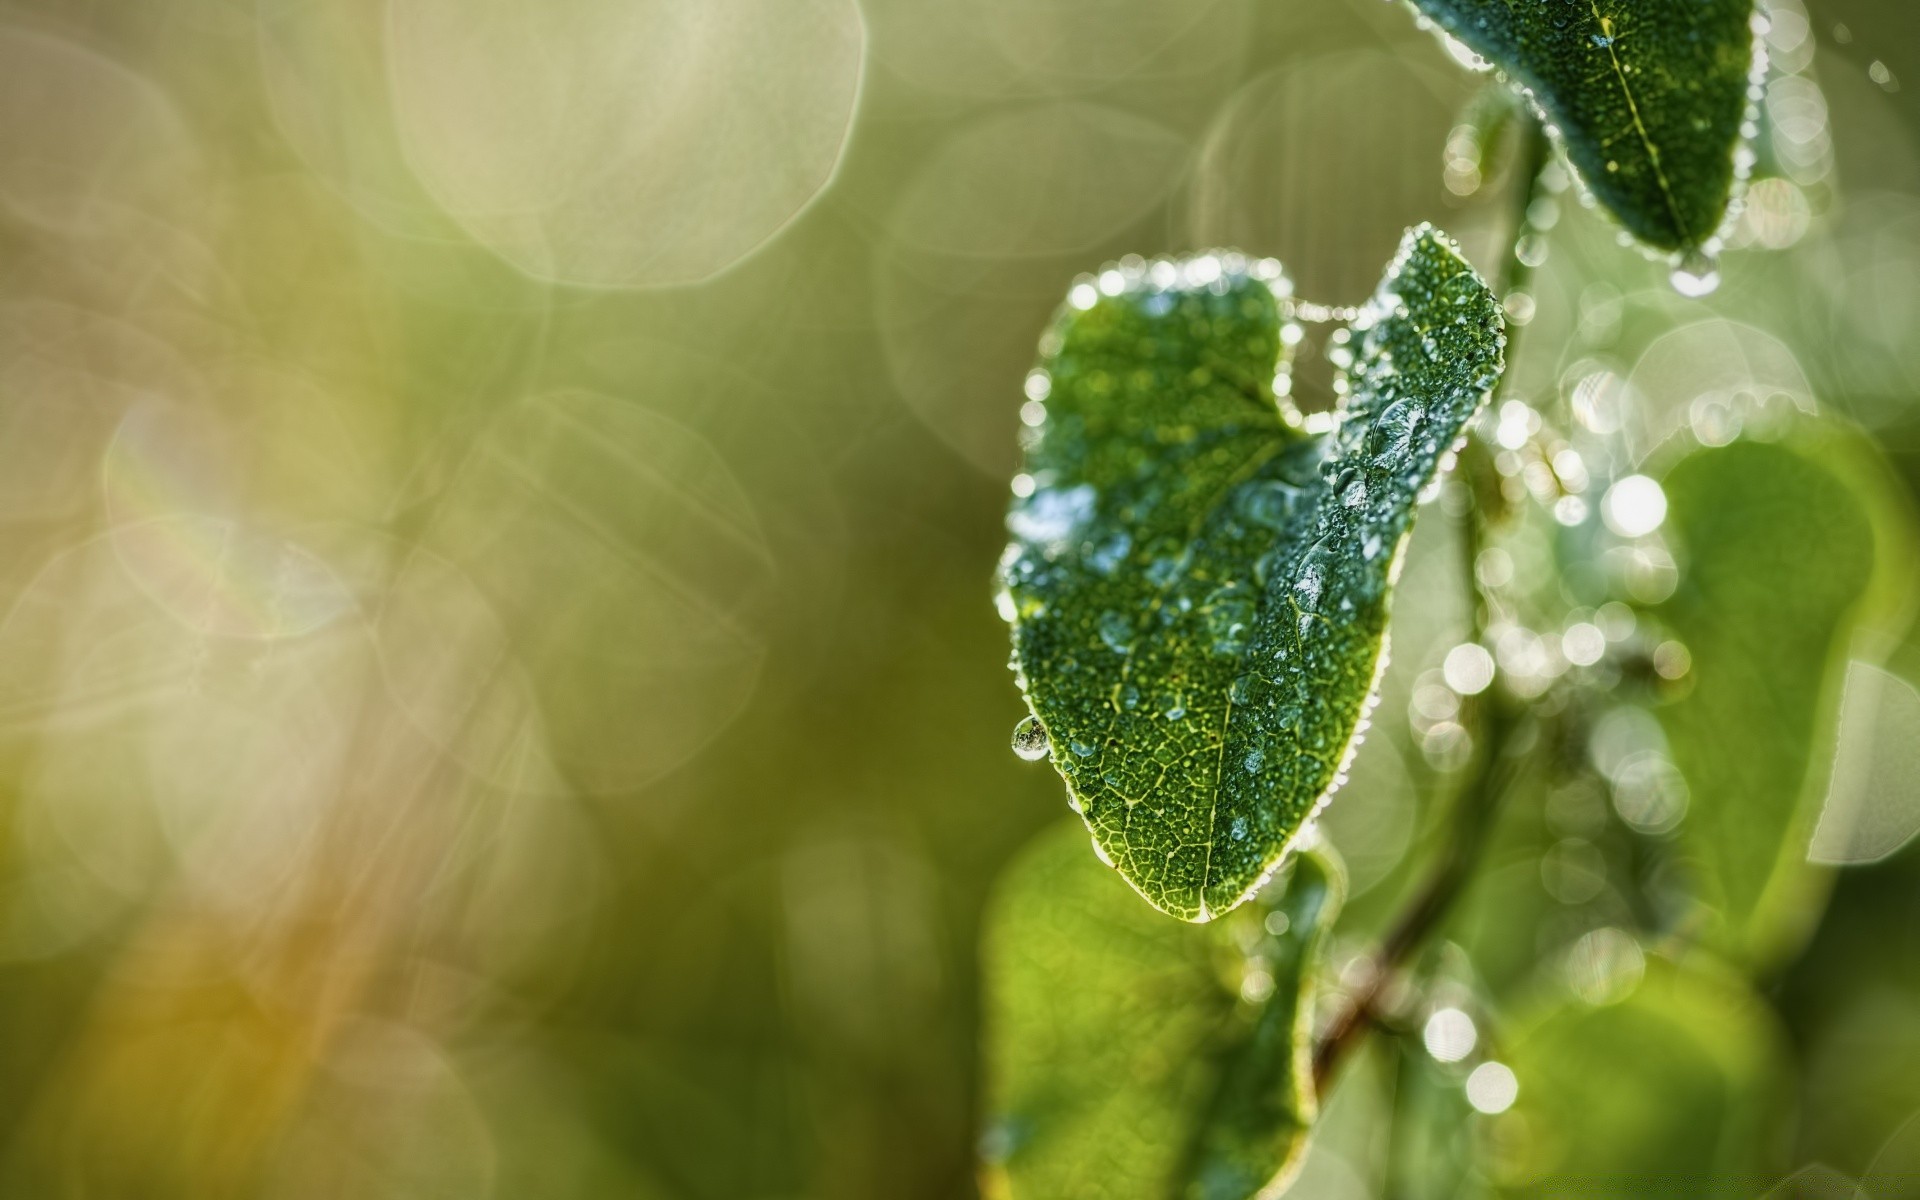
(1198, 592)
(1648, 96)
(1668, 1091)
(1132, 1056)
(1777, 553)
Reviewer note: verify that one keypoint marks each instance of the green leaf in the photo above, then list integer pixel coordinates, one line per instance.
(1130, 1056)
(1198, 592)
(1668, 1091)
(1777, 552)
(1648, 97)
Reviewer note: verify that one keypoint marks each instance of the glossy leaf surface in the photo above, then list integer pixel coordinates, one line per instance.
(1130, 1055)
(1648, 96)
(1198, 592)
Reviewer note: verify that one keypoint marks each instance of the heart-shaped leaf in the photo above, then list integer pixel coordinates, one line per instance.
(1131, 1056)
(1648, 97)
(1199, 592)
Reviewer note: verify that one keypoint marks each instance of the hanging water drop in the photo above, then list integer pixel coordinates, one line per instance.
(1696, 275)
(1030, 739)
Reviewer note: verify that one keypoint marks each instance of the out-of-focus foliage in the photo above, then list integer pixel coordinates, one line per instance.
(1198, 593)
(485, 714)
(1778, 555)
(1130, 1055)
(1663, 1080)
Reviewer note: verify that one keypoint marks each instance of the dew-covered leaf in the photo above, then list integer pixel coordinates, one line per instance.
(1648, 96)
(1132, 1056)
(1662, 1081)
(1198, 592)
(1777, 552)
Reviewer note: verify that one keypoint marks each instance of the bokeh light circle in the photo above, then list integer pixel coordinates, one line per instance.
(624, 145)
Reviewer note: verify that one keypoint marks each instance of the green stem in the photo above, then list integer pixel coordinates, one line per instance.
(1496, 716)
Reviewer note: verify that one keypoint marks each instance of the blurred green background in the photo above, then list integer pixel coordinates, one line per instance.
(499, 694)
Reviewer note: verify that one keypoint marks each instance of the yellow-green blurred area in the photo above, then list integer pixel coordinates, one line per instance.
(499, 693)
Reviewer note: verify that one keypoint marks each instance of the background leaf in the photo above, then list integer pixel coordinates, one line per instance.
(1648, 96)
(1778, 552)
(1132, 1056)
(1667, 1091)
(1199, 595)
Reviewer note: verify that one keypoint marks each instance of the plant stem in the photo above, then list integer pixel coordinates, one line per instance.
(1473, 817)
(1472, 823)
(1535, 152)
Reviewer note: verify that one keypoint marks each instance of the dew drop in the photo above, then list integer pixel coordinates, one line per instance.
(1030, 739)
(1696, 275)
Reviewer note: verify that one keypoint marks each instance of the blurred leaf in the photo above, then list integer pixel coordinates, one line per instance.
(1778, 551)
(1428, 1159)
(1133, 1056)
(1648, 96)
(1199, 595)
(1670, 1091)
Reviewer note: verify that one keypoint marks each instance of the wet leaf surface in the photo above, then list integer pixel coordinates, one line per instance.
(1648, 96)
(1198, 591)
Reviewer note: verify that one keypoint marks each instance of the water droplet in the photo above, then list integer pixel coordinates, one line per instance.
(1229, 615)
(1268, 503)
(999, 1140)
(1116, 631)
(1030, 739)
(1696, 275)
(1395, 428)
(1109, 554)
(1083, 749)
(1052, 517)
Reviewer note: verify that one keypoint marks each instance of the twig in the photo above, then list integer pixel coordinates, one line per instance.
(1472, 820)
(1472, 823)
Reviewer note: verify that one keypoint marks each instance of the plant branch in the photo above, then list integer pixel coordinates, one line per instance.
(1472, 821)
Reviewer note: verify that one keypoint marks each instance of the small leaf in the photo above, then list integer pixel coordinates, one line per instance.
(1130, 1056)
(1777, 551)
(1663, 1083)
(1648, 96)
(1198, 592)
